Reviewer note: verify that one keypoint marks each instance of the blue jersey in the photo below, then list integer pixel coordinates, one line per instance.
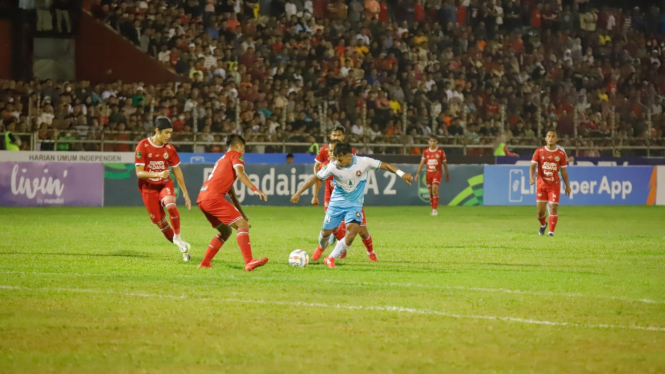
(350, 181)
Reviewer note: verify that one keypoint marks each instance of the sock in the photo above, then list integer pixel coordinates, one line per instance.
(166, 230)
(340, 248)
(435, 202)
(542, 220)
(175, 217)
(368, 244)
(554, 218)
(340, 232)
(323, 240)
(431, 200)
(243, 242)
(216, 243)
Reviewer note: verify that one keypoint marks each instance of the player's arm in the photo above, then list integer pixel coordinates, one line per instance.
(236, 202)
(142, 174)
(564, 176)
(532, 171)
(311, 182)
(445, 167)
(240, 171)
(420, 167)
(177, 172)
(317, 188)
(393, 169)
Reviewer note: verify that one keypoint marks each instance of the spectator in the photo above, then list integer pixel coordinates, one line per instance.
(290, 158)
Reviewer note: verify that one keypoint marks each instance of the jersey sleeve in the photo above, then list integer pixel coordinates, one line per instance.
(443, 156)
(424, 153)
(238, 160)
(139, 154)
(372, 164)
(321, 157)
(174, 159)
(563, 162)
(535, 156)
(325, 172)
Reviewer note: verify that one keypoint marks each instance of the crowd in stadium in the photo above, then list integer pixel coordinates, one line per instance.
(286, 69)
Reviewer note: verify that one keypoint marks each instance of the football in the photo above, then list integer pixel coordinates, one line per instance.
(299, 258)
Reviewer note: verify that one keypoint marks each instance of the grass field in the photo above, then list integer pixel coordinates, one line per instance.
(472, 290)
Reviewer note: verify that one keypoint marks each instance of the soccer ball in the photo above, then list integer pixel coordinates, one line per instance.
(299, 258)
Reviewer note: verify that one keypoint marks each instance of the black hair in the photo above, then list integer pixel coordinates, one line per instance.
(163, 123)
(339, 128)
(342, 148)
(234, 139)
(334, 142)
(290, 155)
(552, 130)
(432, 136)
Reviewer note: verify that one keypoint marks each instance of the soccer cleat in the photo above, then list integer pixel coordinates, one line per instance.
(184, 248)
(372, 257)
(255, 264)
(330, 262)
(317, 254)
(186, 257)
(541, 231)
(434, 213)
(550, 233)
(342, 255)
(204, 266)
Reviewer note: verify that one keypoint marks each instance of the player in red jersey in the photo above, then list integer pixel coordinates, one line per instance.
(435, 158)
(152, 159)
(550, 159)
(221, 214)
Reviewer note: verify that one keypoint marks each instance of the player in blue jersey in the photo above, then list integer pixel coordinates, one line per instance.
(350, 175)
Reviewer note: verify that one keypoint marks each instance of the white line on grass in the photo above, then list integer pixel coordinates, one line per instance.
(360, 283)
(387, 308)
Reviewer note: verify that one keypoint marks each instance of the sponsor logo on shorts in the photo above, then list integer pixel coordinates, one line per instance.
(358, 214)
(152, 216)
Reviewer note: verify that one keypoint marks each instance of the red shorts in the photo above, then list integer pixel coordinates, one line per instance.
(364, 221)
(219, 211)
(153, 201)
(547, 194)
(433, 178)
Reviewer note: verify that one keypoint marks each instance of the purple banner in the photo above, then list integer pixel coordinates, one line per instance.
(51, 184)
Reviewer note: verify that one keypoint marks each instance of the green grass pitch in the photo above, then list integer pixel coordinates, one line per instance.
(86, 290)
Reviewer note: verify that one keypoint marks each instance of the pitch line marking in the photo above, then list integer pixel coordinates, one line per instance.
(387, 308)
(361, 283)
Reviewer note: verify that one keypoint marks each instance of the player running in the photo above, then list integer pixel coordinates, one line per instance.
(152, 159)
(435, 158)
(549, 159)
(350, 174)
(219, 212)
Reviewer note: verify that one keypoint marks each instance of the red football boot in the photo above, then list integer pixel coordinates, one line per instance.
(255, 263)
(317, 253)
(330, 262)
(372, 257)
(203, 266)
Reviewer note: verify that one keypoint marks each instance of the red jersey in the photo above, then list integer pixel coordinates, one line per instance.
(221, 178)
(329, 184)
(549, 165)
(155, 158)
(434, 159)
(324, 155)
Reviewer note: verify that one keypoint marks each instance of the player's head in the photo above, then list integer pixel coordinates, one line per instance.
(551, 138)
(343, 154)
(331, 149)
(236, 143)
(289, 158)
(432, 141)
(163, 129)
(338, 133)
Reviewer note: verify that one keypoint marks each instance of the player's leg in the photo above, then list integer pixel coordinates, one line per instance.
(434, 197)
(428, 181)
(167, 198)
(554, 210)
(217, 242)
(541, 205)
(353, 218)
(242, 236)
(366, 238)
(157, 215)
(331, 223)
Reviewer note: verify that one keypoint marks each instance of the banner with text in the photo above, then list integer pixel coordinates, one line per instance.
(588, 161)
(51, 184)
(630, 185)
(279, 182)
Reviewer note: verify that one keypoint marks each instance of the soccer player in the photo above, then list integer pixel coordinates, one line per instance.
(350, 174)
(550, 159)
(152, 159)
(219, 212)
(435, 158)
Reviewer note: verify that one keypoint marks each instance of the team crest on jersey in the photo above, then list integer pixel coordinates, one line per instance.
(138, 154)
(358, 173)
(166, 155)
(556, 158)
(437, 156)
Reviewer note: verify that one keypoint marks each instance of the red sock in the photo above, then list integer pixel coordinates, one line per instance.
(243, 242)
(175, 217)
(368, 244)
(166, 230)
(553, 220)
(542, 220)
(340, 232)
(435, 202)
(216, 243)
